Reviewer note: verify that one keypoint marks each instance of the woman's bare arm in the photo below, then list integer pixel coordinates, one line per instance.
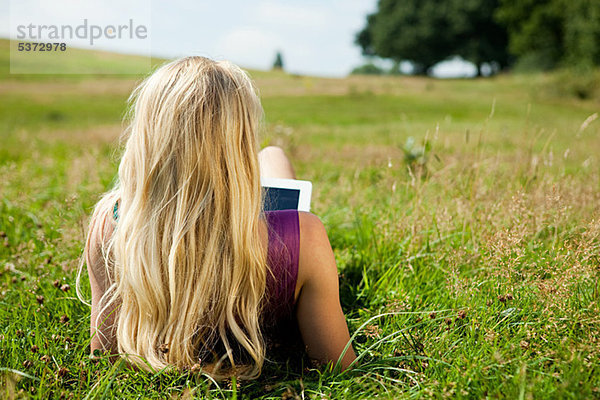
(101, 329)
(320, 316)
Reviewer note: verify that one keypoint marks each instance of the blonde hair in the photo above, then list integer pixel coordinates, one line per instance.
(187, 266)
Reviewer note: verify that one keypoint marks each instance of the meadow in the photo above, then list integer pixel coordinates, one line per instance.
(464, 216)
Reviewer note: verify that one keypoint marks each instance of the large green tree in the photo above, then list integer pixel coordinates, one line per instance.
(550, 33)
(428, 31)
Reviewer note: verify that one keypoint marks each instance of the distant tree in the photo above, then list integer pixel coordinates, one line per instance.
(478, 37)
(550, 33)
(278, 63)
(428, 31)
(582, 32)
(368, 69)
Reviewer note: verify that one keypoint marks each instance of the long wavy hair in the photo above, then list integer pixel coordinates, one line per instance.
(186, 264)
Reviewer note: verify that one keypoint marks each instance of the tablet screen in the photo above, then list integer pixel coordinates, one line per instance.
(281, 199)
(286, 194)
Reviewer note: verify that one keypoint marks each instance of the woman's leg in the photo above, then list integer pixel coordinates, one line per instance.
(274, 164)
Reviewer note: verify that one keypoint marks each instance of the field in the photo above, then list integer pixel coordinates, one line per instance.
(464, 215)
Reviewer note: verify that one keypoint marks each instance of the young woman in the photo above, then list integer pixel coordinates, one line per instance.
(185, 268)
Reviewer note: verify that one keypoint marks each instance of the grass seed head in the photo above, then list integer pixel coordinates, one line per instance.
(373, 331)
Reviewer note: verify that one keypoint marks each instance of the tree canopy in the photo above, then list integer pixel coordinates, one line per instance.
(550, 33)
(541, 34)
(428, 31)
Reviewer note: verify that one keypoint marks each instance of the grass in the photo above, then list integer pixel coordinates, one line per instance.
(470, 274)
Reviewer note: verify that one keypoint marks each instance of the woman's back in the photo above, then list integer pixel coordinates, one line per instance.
(282, 260)
(283, 251)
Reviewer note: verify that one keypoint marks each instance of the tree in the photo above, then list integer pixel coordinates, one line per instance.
(582, 33)
(428, 31)
(551, 33)
(478, 37)
(278, 63)
(368, 69)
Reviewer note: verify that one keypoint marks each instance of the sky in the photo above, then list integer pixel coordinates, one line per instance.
(315, 37)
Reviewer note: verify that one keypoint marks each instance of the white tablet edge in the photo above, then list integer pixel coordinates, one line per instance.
(305, 188)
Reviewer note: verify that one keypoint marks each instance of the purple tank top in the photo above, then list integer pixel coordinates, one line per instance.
(282, 260)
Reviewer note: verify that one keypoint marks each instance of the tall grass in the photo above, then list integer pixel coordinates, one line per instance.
(473, 275)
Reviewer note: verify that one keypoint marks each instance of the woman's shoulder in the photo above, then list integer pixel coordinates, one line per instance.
(313, 235)
(294, 238)
(303, 228)
(309, 222)
(314, 247)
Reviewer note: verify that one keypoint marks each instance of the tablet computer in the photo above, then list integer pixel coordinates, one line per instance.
(286, 194)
